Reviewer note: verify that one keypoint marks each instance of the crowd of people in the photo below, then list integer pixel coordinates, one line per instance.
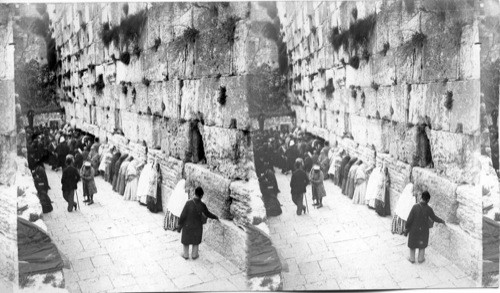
(311, 160)
(82, 157)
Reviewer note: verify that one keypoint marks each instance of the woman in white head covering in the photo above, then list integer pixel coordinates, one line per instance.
(89, 188)
(316, 178)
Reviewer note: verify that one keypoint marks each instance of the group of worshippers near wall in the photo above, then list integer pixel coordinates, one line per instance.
(61, 148)
(313, 160)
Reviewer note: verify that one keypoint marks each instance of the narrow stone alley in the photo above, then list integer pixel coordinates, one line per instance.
(347, 246)
(116, 246)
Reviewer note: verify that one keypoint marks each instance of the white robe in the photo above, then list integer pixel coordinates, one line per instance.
(178, 199)
(405, 202)
(373, 186)
(143, 184)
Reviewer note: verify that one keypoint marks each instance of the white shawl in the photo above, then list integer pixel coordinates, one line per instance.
(405, 202)
(373, 186)
(178, 199)
(143, 184)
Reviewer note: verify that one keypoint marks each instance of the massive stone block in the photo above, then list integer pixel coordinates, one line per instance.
(459, 247)
(247, 205)
(227, 238)
(213, 54)
(215, 186)
(442, 191)
(469, 212)
(201, 96)
(453, 154)
(175, 138)
(227, 152)
(466, 106)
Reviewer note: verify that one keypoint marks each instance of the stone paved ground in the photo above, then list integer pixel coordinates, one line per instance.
(347, 246)
(117, 245)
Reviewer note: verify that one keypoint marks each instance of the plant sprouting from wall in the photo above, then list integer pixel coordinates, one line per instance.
(156, 44)
(146, 81)
(137, 50)
(109, 34)
(385, 48)
(222, 96)
(125, 57)
(190, 35)
(313, 30)
(354, 13)
(329, 88)
(375, 86)
(99, 85)
(448, 102)
(418, 39)
(354, 62)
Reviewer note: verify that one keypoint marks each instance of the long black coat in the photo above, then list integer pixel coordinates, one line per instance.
(190, 221)
(343, 163)
(418, 225)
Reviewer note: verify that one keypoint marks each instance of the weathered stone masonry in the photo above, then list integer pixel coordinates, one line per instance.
(8, 195)
(420, 56)
(174, 88)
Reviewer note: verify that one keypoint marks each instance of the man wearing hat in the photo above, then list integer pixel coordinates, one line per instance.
(69, 181)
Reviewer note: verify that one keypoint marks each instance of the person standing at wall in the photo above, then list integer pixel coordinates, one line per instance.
(298, 185)
(193, 216)
(89, 188)
(318, 188)
(69, 181)
(418, 225)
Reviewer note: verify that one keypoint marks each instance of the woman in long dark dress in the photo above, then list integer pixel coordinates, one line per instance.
(418, 227)
(343, 163)
(191, 223)
(345, 176)
(111, 168)
(269, 189)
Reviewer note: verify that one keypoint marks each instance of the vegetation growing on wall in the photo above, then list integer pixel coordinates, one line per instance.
(125, 57)
(222, 96)
(157, 44)
(129, 30)
(99, 85)
(385, 48)
(356, 36)
(448, 103)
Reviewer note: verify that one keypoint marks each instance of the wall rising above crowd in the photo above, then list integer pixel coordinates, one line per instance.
(397, 83)
(172, 82)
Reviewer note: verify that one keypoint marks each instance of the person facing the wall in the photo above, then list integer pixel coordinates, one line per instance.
(193, 216)
(69, 181)
(418, 225)
(298, 184)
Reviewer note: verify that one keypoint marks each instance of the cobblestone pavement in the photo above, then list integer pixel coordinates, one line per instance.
(348, 246)
(116, 245)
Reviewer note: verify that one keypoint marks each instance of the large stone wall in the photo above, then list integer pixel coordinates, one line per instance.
(374, 110)
(166, 92)
(8, 196)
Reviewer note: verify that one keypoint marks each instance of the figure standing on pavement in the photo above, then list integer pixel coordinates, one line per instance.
(318, 188)
(193, 216)
(298, 185)
(418, 225)
(69, 181)
(89, 188)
